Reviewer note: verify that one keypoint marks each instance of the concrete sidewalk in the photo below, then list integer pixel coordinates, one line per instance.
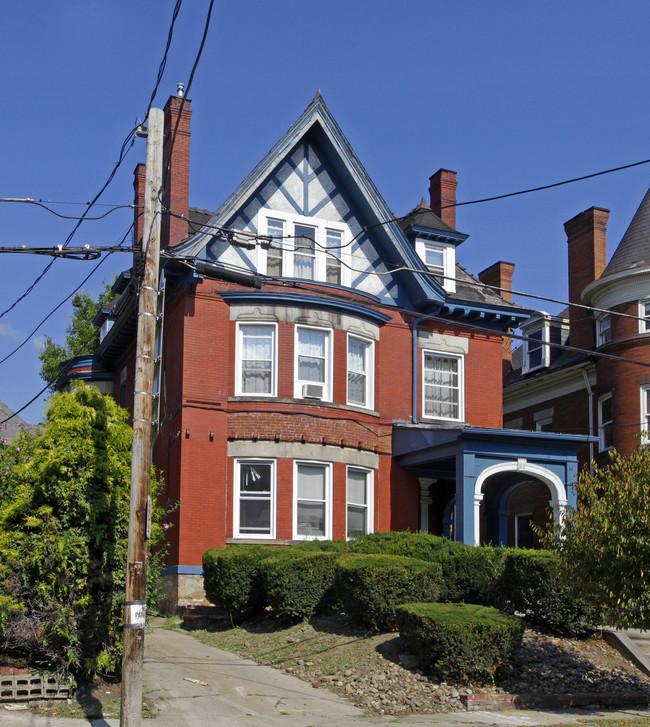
(228, 691)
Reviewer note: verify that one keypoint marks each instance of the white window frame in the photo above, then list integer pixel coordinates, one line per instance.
(275, 246)
(448, 281)
(239, 348)
(544, 348)
(289, 244)
(300, 384)
(644, 316)
(603, 329)
(327, 469)
(461, 384)
(369, 496)
(369, 372)
(603, 423)
(237, 498)
(645, 415)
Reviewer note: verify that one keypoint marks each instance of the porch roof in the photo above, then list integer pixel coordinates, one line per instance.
(423, 445)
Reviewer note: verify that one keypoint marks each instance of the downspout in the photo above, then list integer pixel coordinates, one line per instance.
(590, 393)
(414, 414)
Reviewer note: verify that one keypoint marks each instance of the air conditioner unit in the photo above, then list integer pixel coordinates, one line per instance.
(312, 391)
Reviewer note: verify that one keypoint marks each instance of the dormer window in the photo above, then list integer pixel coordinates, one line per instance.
(536, 352)
(440, 260)
(604, 329)
(106, 326)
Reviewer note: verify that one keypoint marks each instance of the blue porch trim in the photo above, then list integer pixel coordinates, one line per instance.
(183, 570)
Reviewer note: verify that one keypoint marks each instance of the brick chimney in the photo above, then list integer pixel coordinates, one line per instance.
(587, 239)
(176, 171)
(500, 275)
(138, 201)
(442, 192)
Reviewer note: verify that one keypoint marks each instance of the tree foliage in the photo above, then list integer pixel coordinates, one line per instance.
(82, 336)
(64, 510)
(605, 543)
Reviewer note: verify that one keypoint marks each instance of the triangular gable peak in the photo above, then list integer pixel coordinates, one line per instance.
(311, 184)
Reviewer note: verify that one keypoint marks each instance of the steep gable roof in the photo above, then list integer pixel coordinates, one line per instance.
(633, 250)
(318, 127)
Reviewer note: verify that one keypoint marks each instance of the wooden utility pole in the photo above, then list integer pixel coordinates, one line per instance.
(136, 568)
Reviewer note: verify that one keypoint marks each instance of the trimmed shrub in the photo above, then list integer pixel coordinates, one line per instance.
(299, 583)
(371, 586)
(413, 545)
(472, 574)
(533, 584)
(460, 640)
(231, 578)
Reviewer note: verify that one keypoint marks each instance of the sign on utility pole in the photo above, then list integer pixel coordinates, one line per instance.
(136, 569)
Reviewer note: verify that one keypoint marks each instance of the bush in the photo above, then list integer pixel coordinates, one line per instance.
(472, 574)
(413, 545)
(232, 580)
(460, 640)
(297, 584)
(371, 586)
(533, 584)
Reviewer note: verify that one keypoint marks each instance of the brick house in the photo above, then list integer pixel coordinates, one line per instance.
(591, 391)
(326, 368)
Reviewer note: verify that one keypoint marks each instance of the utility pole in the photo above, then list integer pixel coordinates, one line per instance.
(136, 568)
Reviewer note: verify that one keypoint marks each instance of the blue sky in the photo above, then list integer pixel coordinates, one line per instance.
(510, 94)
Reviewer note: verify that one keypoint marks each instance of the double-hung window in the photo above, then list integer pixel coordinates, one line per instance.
(645, 414)
(304, 256)
(605, 422)
(434, 259)
(535, 352)
(275, 230)
(360, 372)
(359, 519)
(312, 500)
(604, 329)
(442, 389)
(333, 244)
(256, 359)
(313, 363)
(644, 316)
(254, 511)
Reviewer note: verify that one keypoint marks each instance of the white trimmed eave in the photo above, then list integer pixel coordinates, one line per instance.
(317, 118)
(619, 288)
(546, 387)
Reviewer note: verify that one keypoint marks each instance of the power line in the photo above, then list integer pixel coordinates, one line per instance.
(38, 203)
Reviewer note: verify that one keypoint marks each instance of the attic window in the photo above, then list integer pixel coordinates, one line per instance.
(536, 350)
(434, 259)
(440, 260)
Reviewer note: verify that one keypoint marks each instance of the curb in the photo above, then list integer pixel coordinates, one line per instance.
(496, 702)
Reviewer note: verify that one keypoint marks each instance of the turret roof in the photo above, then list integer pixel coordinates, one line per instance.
(633, 250)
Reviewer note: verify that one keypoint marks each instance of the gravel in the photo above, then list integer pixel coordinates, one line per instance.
(390, 683)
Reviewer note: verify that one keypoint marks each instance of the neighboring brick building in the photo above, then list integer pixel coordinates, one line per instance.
(551, 389)
(328, 369)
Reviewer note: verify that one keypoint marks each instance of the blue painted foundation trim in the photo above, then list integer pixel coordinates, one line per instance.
(183, 570)
(306, 300)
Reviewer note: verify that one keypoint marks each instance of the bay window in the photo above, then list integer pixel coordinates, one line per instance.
(256, 359)
(442, 389)
(254, 511)
(312, 500)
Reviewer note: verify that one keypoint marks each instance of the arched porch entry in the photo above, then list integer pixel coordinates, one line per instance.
(512, 497)
(480, 485)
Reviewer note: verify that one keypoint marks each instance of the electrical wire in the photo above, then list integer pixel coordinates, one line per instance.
(67, 298)
(125, 148)
(38, 203)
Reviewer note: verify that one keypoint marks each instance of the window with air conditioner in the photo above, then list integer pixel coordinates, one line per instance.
(254, 499)
(312, 501)
(256, 367)
(361, 364)
(313, 363)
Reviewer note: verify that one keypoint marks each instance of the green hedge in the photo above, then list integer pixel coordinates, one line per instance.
(232, 580)
(534, 585)
(298, 584)
(371, 586)
(472, 575)
(459, 640)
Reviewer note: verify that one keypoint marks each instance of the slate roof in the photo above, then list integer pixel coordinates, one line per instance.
(424, 216)
(469, 288)
(634, 249)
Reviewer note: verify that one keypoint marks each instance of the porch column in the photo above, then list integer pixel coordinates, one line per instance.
(466, 509)
(558, 508)
(425, 501)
